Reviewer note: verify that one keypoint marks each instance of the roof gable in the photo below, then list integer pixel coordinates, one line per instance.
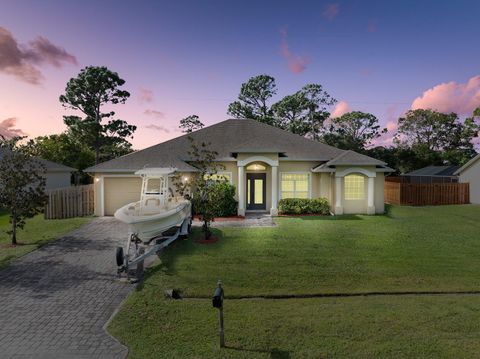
(468, 164)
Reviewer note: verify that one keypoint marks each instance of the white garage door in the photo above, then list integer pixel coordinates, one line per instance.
(120, 191)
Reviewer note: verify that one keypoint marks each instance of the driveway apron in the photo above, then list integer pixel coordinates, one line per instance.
(57, 300)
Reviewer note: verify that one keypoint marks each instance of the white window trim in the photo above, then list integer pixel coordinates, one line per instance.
(226, 173)
(298, 173)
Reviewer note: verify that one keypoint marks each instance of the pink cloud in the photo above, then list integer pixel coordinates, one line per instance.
(42, 50)
(372, 26)
(154, 113)
(392, 126)
(461, 98)
(158, 128)
(8, 130)
(341, 108)
(21, 61)
(331, 11)
(391, 115)
(145, 95)
(366, 72)
(296, 63)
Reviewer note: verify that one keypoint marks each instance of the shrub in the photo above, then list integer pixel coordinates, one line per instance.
(222, 196)
(304, 206)
(225, 193)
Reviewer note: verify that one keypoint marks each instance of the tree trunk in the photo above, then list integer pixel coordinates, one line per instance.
(97, 149)
(14, 232)
(97, 138)
(206, 230)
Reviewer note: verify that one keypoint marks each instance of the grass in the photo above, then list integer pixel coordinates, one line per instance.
(409, 250)
(37, 232)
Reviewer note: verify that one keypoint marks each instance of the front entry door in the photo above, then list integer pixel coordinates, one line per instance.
(256, 191)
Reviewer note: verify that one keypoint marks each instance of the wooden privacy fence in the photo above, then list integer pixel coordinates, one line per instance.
(431, 194)
(70, 202)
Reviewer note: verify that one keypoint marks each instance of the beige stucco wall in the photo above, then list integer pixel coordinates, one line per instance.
(360, 206)
(472, 175)
(327, 181)
(120, 189)
(379, 193)
(57, 180)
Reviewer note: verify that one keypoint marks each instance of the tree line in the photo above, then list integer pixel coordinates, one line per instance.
(423, 136)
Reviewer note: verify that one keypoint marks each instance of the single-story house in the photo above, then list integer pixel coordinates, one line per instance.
(264, 163)
(57, 175)
(432, 174)
(470, 173)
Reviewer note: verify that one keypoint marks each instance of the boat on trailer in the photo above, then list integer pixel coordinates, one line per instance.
(155, 221)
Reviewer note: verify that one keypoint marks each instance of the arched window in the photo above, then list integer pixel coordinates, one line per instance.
(256, 167)
(354, 187)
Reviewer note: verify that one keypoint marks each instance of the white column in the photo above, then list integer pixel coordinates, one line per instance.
(371, 192)
(274, 209)
(338, 195)
(241, 191)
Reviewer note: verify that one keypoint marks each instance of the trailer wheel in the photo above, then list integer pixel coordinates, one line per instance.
(119, 256)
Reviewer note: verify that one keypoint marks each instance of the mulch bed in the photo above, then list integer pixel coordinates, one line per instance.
(10, 245)
(211, 240)
(303, 215)
(223, 219)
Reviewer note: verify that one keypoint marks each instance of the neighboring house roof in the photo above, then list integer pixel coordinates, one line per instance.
(55, 167)
(229, 138)
(467, 165)
(49, 165)
(434, 171)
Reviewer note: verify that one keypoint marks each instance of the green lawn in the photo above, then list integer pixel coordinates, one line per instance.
(411, 249)
(36, 233)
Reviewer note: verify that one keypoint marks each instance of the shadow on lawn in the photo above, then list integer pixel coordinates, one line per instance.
(274, 353)
(344, 217)
(178, 249)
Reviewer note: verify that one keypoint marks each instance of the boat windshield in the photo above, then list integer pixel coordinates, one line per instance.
(154, 186)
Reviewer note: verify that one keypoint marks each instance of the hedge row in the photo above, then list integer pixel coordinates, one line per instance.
(304, 206)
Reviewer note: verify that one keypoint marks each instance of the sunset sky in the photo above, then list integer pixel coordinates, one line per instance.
(190, 57)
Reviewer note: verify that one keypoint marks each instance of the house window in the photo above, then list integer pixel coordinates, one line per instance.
(220, 176)
(294, 185)
(354, 187)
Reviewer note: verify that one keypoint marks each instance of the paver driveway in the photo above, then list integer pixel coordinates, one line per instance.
(57, 300)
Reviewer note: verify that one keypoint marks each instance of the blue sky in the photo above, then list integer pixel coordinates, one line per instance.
(186, 57)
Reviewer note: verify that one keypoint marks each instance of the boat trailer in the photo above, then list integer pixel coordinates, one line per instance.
(137, 250)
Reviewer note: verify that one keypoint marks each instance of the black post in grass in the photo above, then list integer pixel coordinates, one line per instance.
(217, 302)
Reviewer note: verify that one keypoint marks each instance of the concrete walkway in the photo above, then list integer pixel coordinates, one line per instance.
(57, 300)
(251, 220)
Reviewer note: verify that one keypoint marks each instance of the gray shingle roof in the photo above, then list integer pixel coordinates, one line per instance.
(354, 158)
(49, 165)
(229, 137)
(434, 171)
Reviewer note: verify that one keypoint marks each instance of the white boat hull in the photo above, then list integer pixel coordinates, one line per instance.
(149, 225)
